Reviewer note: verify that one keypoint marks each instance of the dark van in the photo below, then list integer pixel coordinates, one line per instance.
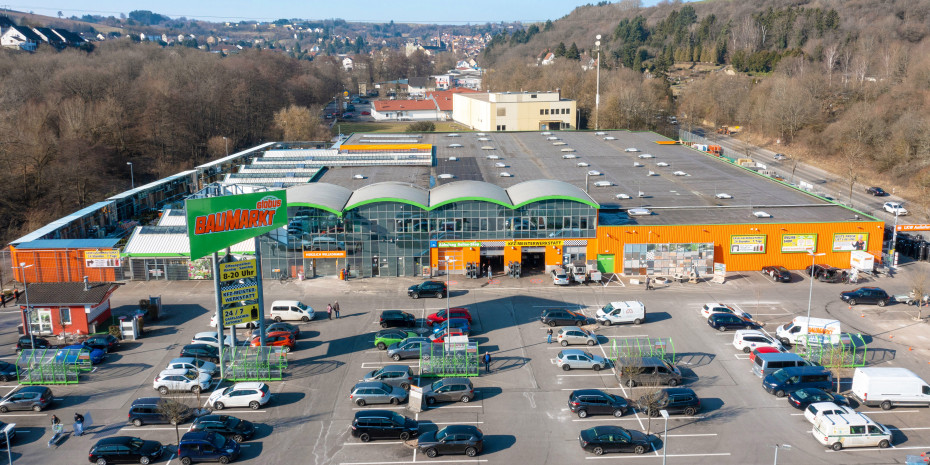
(788, 380)
(383, 424)
(766, 364)
(144, 411)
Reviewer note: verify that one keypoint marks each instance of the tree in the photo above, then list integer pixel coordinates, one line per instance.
(573, 53)
(560, 50)
(298, 123)
(919, 288)
(421, 126)
(175, 412)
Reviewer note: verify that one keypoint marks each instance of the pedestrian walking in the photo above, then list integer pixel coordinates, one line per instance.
(648, 284)
(336, 308)
(487, 362)
(78, 424)
(329, 310)
(489, 274)
(55, 421)
(549, 337)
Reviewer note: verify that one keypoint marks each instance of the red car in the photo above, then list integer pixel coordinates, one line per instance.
(443, 315)
(366, 113)
(281, 339)
(762, 350)
(440, 337)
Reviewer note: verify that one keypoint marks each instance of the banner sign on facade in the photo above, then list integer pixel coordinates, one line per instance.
(459, 244)
(101, 259)
(241, 269)
(747, 244)
(794, 243)
(324, 254)
(215, 223)
(543, 243)
(913, 227)
(235, 293)
(240, 314)
(847, 242)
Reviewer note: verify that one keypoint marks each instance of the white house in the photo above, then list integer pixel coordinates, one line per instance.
(548, 59)
(20, 37)
(347, 63)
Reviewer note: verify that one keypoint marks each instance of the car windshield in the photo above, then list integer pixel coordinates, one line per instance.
(136, 443)
(436, 385)
(397, 418)
(377, 373)
(301, 306)
(781, 376)
(232, 422)
(218, 441)
(441, 313)
(608, 308)
(801, 394)
(588, 354)
(441, 434)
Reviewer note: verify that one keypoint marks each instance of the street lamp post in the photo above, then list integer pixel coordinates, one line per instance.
(664, 414)
(6, 432)
(28, 325)
(894, 239)
(132, 176)
(597, 94)
(810, 296)
(780, 446)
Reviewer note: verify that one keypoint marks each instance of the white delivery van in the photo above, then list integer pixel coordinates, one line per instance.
(800, 327)
(631, 311)
(290, 310)
(850, 430)
(889, 386)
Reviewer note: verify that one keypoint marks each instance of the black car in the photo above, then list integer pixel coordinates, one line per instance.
(559, 317)
(105, 342)
(726, 321)
(453, 439)
(226, 425)
(8, 371)
(151, 410)
(876, 191)
(801, 398)
(25, 342)
(602, 439)
(866, 295)
(778, 273)
(584, 402)
(383, 424)
(397, 319)
(827, 273)
(202, 352)
(672, 400)
(278, 326)
(426, 288)
(124, 449)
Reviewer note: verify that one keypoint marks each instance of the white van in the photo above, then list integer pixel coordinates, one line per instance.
(290, 310)
(850, 430)
(631, 311)
(800, 327)
(889, 386)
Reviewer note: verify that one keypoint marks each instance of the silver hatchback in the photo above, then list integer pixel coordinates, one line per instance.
(449, 390)
(579, 359)
(408, 348)
(376, 392)
(575, 335)
(395, 375)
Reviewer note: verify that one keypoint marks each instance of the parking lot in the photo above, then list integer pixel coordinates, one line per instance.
(521, 405)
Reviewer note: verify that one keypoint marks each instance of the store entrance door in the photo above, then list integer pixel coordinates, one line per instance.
(156, 272)
(42, 321)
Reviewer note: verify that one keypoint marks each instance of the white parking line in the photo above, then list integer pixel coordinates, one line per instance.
(592, 374)
(456, 406)
(691, 435)
(22, 415)
(414, 461)
(908, 429)
(457, 422)
(741, 356)
(148, 429)
(372, 443)
(635, 419)
(380, 408)
(723, 454)
(891, 449)
(600, 388)
(379, 365)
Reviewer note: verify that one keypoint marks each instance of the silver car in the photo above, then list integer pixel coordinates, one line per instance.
(395, 375)
(575, 335)
(449, 390)
(579, 359)
(376, 392)
(408, 348)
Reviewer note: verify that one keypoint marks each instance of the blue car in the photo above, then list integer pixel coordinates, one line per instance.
(80, 354)
(207, 446)
(456, 323)
(725, 321)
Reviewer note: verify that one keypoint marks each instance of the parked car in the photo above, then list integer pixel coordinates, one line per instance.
(453, 439)
(630, 311)
(441, 337)
(33, 398)
(780, 156)
(788, 380)
(383, 424)
(561, 317)
(201, 352)
(8, 371)
(876, 191)
(814, 411)
(77, 353)
(559, 278)
(584, 402)
(851, 430)
(762, 350)
(725, 321)
(453, 323)
(105, 342)
(3, 437)
(895, 208)
(207, 446)
(366, 113)
(801, 398)
(709, 309)
(181, 379)
(408, 348)
(575, 335)
(25, 342)
(427, 288)
(279, 326)
(778, 273)
(395, 375)
(386, 337)
(650, 371)
(397, 319)
(602, 439)
(866, 295)
(826, 273)
(148, 410)
(579, 359)
(748, 339)
(282, 339)
(250, 394)
(377, 392)
(672, 400)
(124, 449)
(211, 338)
(449, 390)
(444, 315)
(226, 425)
(291, 310)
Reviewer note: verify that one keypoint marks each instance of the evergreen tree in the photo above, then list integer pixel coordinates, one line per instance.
(573, 52)
(560, 50)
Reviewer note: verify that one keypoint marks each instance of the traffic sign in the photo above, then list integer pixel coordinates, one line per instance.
(241, 314)
(232, 271)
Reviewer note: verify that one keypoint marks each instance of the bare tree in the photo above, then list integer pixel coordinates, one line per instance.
(919, 289)
(175, 412)
(830, 54)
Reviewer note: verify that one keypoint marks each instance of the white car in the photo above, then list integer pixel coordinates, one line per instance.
(211, 339)
(723, 195)
(610, 138)
(647, 155)
(780, 156)
(569, 156)
(252, 395)
(895, 208)
(603, 184)
(583, 164)
(709, 309)
(819, 409)
(600, 133)
(594, 173)
(191, 363)
(181, 379)
(631, 149)
(559, 278)
(748, 339)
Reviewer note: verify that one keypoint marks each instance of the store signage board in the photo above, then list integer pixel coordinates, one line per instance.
(215, 223)
(747, 244)
(241, 314)
(231, 271)
(102, 259)
(236, 293)
(847, 242)
(798, 243)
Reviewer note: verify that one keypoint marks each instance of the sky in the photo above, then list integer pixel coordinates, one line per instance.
(470, 11)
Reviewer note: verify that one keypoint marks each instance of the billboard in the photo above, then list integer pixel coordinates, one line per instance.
(101, 259)
(847, 242)
(218, 222)
(798, 243)
(747, 244)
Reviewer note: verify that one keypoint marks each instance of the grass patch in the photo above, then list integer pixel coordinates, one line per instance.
(393, 126)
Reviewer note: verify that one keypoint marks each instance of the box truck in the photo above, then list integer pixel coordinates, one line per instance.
(800, 327)
(889, 386)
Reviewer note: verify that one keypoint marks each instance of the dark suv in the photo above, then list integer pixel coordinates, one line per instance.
(202, 352)
(229, 426)
(434, 288)
(876, 191)
(125, 449)
(672, 400)
(866, 295)
(557, 317)
(397, 319)
(25, 342)
(826, 273)
(593, 401)
(146, 411)
(207, 446)
(383, 424)
(778, 273)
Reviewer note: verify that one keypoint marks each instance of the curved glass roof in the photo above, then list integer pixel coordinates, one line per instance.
(389, 192)
(547, 189)
(468, 190)
(329, 197)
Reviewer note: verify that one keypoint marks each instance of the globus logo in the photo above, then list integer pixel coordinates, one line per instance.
(268, 203)
(239, 219)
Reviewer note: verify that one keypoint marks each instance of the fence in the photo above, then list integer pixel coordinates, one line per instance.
(50, 366)
(255, 363)
(449, 359)
(642, 347)
(846, 351)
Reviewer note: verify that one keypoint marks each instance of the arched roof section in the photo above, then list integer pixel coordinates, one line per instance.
(468, 190)
(324, 196)
(547, 189)
(389, 192)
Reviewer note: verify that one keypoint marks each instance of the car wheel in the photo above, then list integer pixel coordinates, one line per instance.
(639, 450)
(415, 295)
(746, 350)
(255, 405)
(591, 343)
(471, 451)
(277, 319)
(384, 325)
(779, 393)
(218, 406)
(551, 323)
(596, 367)
(690, 411)
(837, 446)
(224, 459)
(582, 413)
(238, 438)
(396, 357)
(618, 413)
(285, 349)
(673, 382)
(653, 412)
(598, 451)
(360, 402)
(884, 444)
(852, 302)
(881, 303)
(305, 319)
(431, 452)
(395, 401)
(439, 295)
(564, 343)
(638, 321)
(886, 405)
(145, 460)
(3, 409)
(195, 389)
(465, 399)
(101, 461)
(36, 408)
(382, 346)
(606, 322)
(364, 437)
(430, 401)
(721, 328)
(630, 383)
(186, 461)
(4, 378)
(137, 422)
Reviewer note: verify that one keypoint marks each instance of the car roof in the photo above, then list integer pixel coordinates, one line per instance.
(587, 392)
(375, 413)
(368, 384)
(197, 346)
(33, 389)
(679, 390)
(278, 333)
(173, 371)
(285, 302)
(446, 381)
(205, 333)
(456, 429)
(396, 368)
(116, 440)
(573, 352)
(213, 417)
(572, 328)
(146, 400)
(749, 332)
(248, 385)
(826, 405)
(800, 370)
(195, 436)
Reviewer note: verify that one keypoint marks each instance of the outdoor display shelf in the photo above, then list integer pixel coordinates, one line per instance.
(844, 351)
(50, 366)
(449, 360)
(255, 363)
(642, 347)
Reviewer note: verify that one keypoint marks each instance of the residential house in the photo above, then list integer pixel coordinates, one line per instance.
(548, 59)
(405, 110)
(20, 37)
(69, 37)
(443, 81)
(419, 86)
(347, 63)
(587, 62)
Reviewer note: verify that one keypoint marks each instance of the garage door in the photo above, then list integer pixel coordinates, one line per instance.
(451, 259)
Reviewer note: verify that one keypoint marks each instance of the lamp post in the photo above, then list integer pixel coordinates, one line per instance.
(810, 296)
(780, 446)
(132, 176)
(6, 432)
(664, 414)
(597, 94)
(28, 325)
(894, 239)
